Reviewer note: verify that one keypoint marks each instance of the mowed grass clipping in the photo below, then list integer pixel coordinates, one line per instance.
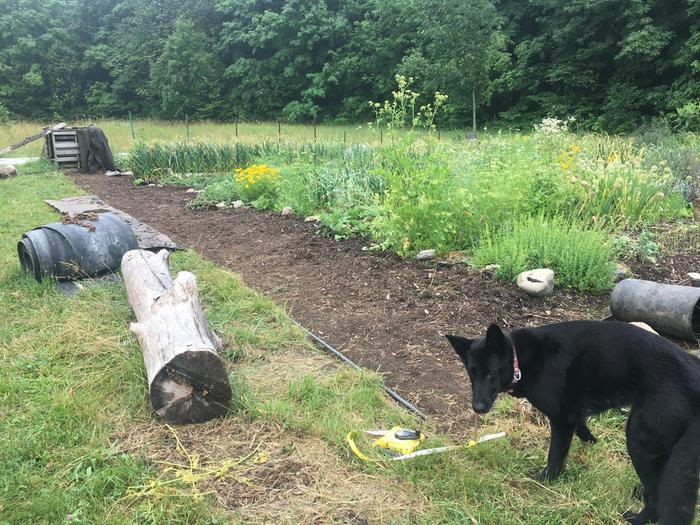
(79, 443)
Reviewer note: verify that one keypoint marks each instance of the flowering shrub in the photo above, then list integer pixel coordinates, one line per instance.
(258, 184)
(554, 126)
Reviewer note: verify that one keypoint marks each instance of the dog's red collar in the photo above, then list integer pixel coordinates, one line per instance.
(517, 374)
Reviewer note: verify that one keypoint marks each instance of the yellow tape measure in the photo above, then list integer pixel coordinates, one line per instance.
(405, 442)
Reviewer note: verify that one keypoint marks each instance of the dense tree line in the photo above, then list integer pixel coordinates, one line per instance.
(611, 63)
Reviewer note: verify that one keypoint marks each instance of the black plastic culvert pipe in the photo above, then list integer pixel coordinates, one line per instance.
(668, 308)
(72, 251)
(392, 394)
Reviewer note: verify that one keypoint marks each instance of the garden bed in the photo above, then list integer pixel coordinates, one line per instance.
(387, 313)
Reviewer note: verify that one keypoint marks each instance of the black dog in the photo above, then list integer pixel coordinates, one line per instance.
(571, 370)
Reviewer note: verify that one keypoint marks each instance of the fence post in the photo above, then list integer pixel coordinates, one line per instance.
(381, 136)
(187, 127)
(314, 130)
(236, 129)
(344, 137)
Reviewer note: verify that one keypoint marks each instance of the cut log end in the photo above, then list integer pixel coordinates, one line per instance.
(192, 388)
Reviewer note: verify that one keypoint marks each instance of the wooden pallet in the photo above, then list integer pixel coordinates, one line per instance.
(64, 149)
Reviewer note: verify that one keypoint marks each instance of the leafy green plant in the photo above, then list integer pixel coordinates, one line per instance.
(223, 189)
(642, 246)
(422, 208)
(342, 224)
(582, 259)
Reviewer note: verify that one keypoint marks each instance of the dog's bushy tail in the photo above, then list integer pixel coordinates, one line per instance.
(678, 492)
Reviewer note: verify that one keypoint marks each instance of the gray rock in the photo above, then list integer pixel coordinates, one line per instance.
(287, 211)
(221, 205)
(238, 204)
(7, 171)
(191, 190)
(694, 278)
(537, 283)
(312, 218)
(425, 255)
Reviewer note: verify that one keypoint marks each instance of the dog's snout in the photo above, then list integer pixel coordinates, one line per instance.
(480, 407)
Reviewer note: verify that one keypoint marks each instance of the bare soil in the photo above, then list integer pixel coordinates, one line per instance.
(386, 313)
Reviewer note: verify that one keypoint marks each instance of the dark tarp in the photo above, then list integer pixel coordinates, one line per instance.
(95, 154)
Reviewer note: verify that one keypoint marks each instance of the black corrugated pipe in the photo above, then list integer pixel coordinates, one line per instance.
(668, 308)
(91, 247)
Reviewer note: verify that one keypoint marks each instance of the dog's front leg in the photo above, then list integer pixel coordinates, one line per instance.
(560, 441)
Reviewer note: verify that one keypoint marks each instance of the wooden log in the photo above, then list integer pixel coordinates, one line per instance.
(26, 141)
(187, 380)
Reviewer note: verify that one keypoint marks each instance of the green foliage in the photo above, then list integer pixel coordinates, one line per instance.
(642, 246)
(422, 207)
(318, 60)
(581, 258)
(222, 189)
(342, 223)
(186, 75)
(687, 117)
(4, 115)
(160, 160)
(620, 194)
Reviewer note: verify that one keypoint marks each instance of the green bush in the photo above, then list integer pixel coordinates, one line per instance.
(581, 259)
(4, 115)
(223, 189)
(422, 208)
(687, 117)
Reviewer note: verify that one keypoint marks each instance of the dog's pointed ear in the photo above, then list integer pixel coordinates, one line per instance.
(496, 339)
(460, 344)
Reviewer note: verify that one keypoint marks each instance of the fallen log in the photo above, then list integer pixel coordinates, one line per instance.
(39, 135)
(186, 377)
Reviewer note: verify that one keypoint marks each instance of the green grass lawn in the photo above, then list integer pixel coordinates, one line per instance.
(79, 444)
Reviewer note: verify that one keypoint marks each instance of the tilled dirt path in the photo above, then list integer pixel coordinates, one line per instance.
(385, 313)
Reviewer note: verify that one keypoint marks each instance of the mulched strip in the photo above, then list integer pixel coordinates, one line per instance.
(385, 313)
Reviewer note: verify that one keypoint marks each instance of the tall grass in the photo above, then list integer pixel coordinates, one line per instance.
(118, 133)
